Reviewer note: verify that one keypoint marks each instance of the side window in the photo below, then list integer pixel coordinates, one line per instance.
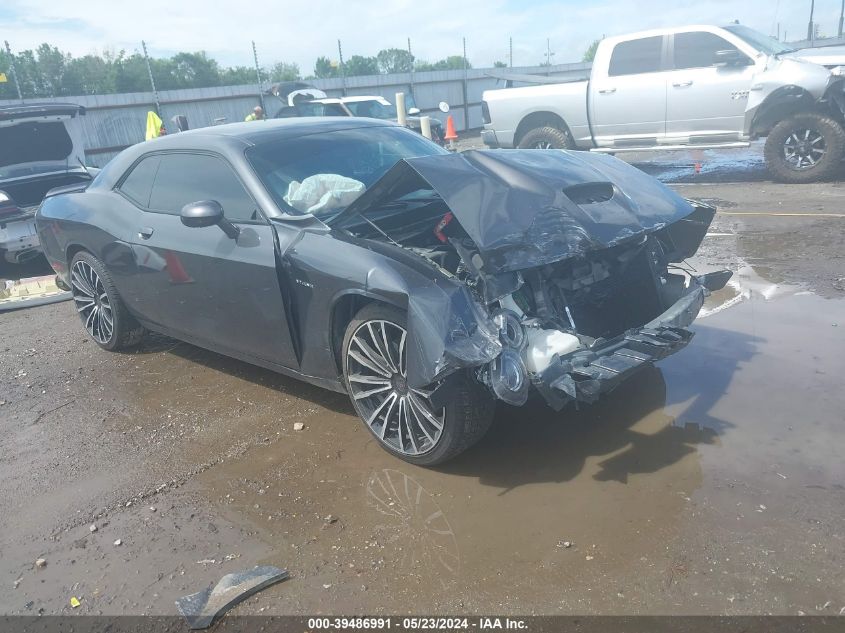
(184, 178)
(333, 109)
(698, 49)
(636, 56)
(139, 183)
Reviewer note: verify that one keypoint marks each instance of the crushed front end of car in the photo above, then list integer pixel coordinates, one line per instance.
(561, 269)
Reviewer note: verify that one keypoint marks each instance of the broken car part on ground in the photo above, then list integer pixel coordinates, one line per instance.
(451, 281)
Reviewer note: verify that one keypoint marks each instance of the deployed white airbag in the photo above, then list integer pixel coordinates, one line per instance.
(323, 192)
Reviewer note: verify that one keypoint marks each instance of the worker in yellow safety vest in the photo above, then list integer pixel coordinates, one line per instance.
(257, 114)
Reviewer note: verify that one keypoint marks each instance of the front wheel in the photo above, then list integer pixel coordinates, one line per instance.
(805, 148)
(403, 419)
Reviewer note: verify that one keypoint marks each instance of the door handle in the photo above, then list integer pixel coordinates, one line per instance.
(145, 232)
(607, 91)
(682, 84)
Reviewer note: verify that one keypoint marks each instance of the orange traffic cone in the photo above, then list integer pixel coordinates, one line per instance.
(450, 135)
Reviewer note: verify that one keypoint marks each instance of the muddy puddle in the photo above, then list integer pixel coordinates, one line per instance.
(712, 483)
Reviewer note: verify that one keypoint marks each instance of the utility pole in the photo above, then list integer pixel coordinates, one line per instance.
(14, 72)
(549, 55)
(510, 50)
(258, 77)
(342, 69)
(152, 81)
(841, 17)
(810, 29)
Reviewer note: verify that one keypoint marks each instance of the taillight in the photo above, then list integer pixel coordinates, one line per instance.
(7, 205)
(485, 112)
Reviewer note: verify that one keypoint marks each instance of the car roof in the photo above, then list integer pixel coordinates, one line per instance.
(231, 139)
(668, 30)
(263, 131)
(357, 98)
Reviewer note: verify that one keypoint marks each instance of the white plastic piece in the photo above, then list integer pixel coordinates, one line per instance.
(425, 126)
(401, 117)
(544, 344)
(323, 192)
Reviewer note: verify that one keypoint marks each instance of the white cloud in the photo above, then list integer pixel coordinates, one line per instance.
(302, 30)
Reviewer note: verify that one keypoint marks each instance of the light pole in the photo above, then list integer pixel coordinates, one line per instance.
(841, 17)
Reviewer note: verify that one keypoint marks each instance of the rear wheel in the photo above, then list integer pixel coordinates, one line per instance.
(547, 137)
(101, 309)
(805, 148)
(403, 419)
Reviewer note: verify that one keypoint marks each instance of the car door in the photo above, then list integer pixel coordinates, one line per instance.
(706, 100)
(628, 100)
(211, 289)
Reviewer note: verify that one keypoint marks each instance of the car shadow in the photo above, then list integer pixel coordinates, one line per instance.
(155, 343)
(631, 425)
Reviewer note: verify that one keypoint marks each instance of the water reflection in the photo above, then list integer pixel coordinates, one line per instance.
(414, 526)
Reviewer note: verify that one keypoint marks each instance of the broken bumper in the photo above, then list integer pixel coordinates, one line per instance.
(585, 374)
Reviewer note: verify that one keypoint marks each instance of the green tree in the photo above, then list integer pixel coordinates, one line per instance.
(499, 65)
(284, 71)
(360, 65)
(50, 70)
(237, 76)
(89, 75)
(323, 68)
(395, 60)
(590, 53)
(193, 70)
(453, 62)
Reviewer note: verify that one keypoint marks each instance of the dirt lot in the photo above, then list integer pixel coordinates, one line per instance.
(712, 484)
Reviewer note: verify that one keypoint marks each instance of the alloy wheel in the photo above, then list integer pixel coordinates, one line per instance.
(92, 302)
(803, 149)
(543, 145)
(402, 417)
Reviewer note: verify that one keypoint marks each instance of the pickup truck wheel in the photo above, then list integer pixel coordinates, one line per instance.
(805, 148)
(546, 138)
(403, 419)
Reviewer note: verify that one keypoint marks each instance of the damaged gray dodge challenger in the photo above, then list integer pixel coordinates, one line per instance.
(356, 255)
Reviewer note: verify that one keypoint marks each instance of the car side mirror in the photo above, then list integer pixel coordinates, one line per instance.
(730, 57)
(207, 213)
(413, 111)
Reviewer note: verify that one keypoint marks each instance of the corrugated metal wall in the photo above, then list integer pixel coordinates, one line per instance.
(116, 121)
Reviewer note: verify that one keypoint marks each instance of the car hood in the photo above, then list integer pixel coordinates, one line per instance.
(824, 55)
(526, 208)
(39, 138)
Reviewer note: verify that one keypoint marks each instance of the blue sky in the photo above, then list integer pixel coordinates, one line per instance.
(300, 30)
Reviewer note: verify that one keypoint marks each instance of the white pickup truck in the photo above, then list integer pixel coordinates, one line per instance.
(692, 87)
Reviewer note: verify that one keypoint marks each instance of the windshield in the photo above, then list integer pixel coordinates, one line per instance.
(373, 109)
(763, 43)
(333, 162)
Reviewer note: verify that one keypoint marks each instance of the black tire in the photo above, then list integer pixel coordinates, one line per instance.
(468, 415)
(832, 142)
(126, 331)
(547, 137)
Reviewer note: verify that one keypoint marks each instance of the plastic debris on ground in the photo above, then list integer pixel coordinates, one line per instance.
(200, 609)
